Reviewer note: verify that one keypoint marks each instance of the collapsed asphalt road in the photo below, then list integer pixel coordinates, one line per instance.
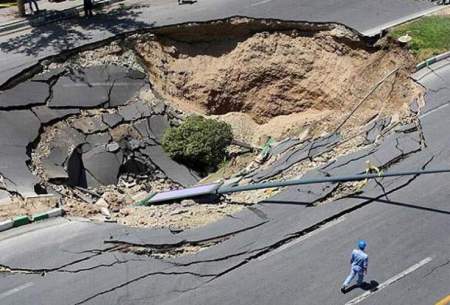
(292, 248)
(94, 148)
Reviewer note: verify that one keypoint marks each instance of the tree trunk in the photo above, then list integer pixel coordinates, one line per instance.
(21, 7)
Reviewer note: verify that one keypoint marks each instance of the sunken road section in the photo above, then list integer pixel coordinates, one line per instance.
(52, 115)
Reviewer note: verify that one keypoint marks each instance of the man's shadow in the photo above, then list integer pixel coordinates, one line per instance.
(372, 286)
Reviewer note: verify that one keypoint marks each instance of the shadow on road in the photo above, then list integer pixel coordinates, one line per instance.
(372, 286)
(269, 201)
(402, 204)
(68, 34)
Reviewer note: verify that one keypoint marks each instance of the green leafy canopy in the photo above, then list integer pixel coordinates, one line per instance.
(198, 142)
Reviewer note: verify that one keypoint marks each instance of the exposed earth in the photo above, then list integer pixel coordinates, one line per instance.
(279, 84)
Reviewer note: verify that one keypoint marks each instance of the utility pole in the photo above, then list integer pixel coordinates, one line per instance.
(21, 7)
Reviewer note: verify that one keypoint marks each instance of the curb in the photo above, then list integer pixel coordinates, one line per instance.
(24, 219)
(43, 20)
(432, 60)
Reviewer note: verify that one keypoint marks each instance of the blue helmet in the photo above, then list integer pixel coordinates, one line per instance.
(362, 244)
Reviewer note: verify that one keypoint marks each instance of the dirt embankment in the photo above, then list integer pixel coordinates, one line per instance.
(282, 81)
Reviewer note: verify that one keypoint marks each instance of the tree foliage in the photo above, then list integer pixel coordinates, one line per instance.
(198, 142)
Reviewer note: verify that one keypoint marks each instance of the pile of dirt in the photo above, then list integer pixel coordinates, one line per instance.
(304, 79)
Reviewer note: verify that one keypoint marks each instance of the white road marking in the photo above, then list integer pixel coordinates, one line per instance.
(390, 281)
(10, 292)
(260, 2)
(302, 238)
(433, 110)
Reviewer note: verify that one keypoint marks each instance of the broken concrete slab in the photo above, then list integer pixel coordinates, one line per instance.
(159, 108)
(288, 159)
(406, 128)
(305, 195)
(135, 111)
(323, 145)
(47, 115)
(283, 146)
(25, 94)
(47, 76)
(95, 86)
(89, 125)
(351, 164)
(98, 139)
(158, 124)
(145, 237)
(244, 220)
(173, 170)
(126, 83)
(67, 138)
(374, 130)
(55, 172)
(57, 156)
(143, 128)
(102, 165)
(112, 119)
(153, 127)
(73, 91)
(13, 168)
(21, 128)
(394, 148)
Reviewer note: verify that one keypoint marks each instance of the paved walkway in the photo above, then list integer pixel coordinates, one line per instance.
(9, 14)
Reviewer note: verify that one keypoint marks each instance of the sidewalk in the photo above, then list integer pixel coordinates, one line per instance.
(49, 12)
(8, 15)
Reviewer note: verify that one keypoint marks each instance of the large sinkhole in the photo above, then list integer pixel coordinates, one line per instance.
(282, 80)
(103, 112)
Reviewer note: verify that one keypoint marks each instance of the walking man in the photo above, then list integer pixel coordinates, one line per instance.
(358, 263)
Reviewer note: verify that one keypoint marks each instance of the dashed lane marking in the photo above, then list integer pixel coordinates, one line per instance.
(260, 2)
(390, 281)
(10, 292)
(301, 238)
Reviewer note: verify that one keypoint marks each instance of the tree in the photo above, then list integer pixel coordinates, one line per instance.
(21, 7)
(198, 142)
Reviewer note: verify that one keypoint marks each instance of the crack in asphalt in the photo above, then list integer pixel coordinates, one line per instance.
(175, 246)
(141, 278)
(43, 271)
(437, 267)
(218, 259)
(352, 160)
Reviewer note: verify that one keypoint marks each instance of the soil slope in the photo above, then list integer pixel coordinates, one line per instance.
(268, 75)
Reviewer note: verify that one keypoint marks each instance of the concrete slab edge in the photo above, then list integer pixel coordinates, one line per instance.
(22, 220)
(432, 60)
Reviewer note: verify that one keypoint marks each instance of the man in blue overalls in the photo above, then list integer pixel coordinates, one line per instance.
(359, 263)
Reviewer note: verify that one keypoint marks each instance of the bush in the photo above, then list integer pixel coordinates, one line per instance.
(198, 142)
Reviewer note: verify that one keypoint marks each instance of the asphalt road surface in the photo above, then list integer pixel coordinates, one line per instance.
(22, 50)
(282, 251)
(278, 252)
